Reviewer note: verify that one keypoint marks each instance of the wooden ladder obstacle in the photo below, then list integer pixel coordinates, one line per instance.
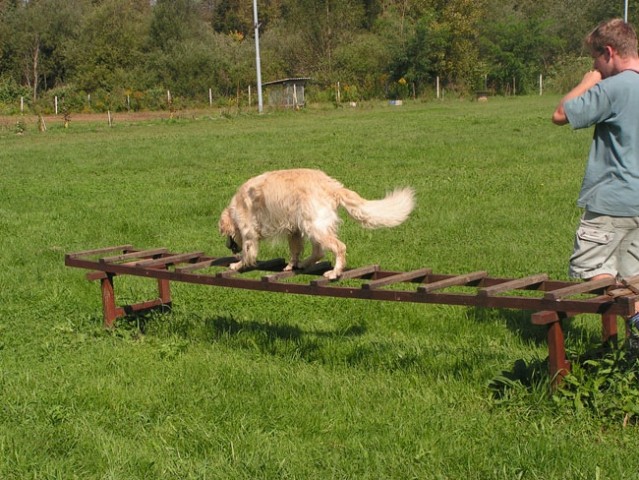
(551, 301)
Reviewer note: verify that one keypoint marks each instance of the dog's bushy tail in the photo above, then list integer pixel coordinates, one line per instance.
(390, 211)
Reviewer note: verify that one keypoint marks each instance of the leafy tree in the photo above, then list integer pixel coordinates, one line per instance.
(174, 21)
(425, 54)
(110, 48)
(444, 43)
(193, 45)
(518, 49)
(461, 58)
(35, 32)
(360, 64)
(322, 25)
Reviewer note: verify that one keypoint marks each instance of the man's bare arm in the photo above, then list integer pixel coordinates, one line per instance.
(589, 80)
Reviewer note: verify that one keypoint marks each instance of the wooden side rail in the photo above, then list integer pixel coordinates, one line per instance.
(553, 301)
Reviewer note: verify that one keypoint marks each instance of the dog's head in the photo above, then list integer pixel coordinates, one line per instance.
(226, 227)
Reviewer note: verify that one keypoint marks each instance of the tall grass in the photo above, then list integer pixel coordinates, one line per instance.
(239, 384)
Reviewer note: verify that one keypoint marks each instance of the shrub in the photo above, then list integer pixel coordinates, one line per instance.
(607, 387)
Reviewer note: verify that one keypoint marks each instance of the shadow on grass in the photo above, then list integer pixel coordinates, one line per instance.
(525, 376)
(349, 347)
(225, 326)
(282, 340)
(519, 322)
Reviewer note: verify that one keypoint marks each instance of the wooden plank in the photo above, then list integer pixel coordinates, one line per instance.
(98, 251)
(397, 278)
(315, 269)
(210, 262)
(138, 254)
(515, 284)
(631, 284)
(348, 274)
(584, 287)
(456, 281)
(271, 265)
(163, 261)
(274, 264)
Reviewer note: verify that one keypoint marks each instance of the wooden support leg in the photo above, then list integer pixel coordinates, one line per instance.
(164, 290)
(109, 310)
(558, 364)
(609, 329)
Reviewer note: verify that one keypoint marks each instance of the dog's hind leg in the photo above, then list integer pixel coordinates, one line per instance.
(296, 246)
(316, 255)
(333, 244)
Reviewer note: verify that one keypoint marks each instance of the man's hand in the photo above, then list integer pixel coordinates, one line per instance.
(589, 80)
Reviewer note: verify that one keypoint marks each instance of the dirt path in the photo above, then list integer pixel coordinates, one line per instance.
(30, 119)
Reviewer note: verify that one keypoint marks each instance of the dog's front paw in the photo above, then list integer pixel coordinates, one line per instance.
(236, 266)
(332, 274)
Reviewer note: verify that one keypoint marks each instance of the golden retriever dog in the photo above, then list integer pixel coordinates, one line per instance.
(302, 204)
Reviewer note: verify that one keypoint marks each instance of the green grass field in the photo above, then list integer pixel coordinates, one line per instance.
(250, 385)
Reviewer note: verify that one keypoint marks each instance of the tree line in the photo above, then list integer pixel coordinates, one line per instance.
(95, 53)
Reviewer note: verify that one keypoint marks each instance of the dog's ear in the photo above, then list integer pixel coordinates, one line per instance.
(225, 225)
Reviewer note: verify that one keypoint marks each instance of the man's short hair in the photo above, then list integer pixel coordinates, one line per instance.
(614, 33)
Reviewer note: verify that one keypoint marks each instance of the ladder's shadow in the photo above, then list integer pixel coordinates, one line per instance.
(519, 322)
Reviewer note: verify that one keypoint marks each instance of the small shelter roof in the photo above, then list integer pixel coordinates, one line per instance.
(286, 80)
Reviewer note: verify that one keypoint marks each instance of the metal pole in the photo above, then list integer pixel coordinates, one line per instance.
(625, 11)
(257, 58)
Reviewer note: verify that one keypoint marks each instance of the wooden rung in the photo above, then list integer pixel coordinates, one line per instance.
(456, 281)
(140, 254)
(270, 265)
(631, 284)
(211, 262)
(315, 269)
(274, 264)
(163, 261)
(515, 284)
(348, 274)
(585, 287)
(99, 251)
(601, 298)
(398, 278)
(619, 292)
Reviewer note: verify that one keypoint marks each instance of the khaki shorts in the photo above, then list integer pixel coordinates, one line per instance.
(605, 244)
